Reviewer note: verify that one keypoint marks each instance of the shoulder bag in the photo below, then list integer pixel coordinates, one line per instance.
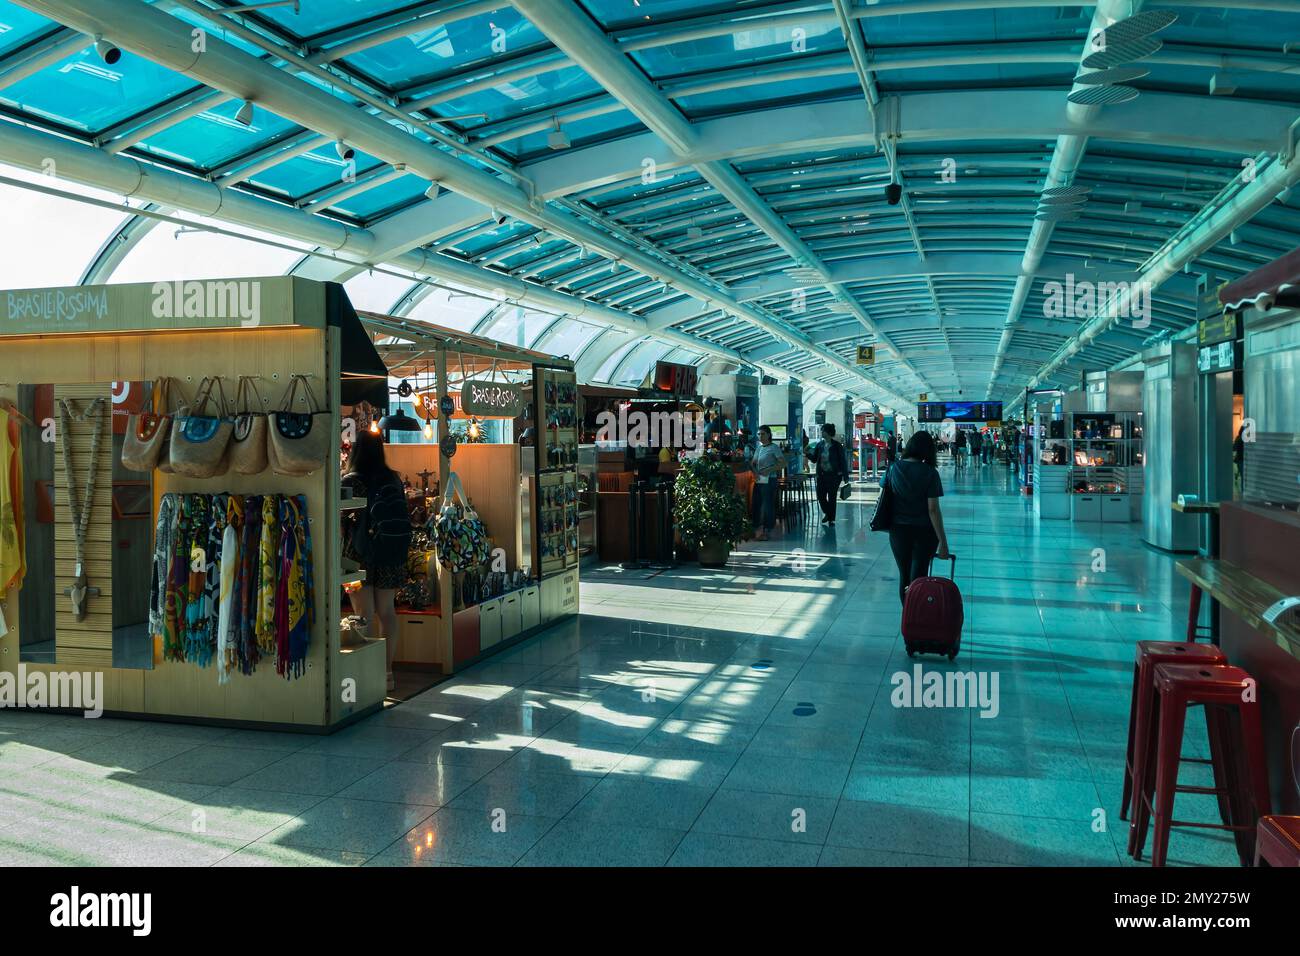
(299, 441)
(200, 440)
(248, 440)
(460, 537)
(147, 432)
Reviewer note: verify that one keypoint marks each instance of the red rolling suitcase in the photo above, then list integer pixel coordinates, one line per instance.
(933, 615)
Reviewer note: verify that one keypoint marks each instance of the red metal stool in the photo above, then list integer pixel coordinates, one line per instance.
(1194, 629)
(1149, 654)
(1277, 841)
(1240, 772)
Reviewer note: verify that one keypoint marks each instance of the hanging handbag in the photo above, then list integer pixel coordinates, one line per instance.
(200, 441)
(146, 436)
(248, 440)
(299, 442)
(882, 518)
(459, 535)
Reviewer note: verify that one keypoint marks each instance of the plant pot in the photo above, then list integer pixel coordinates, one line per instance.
(714, 553)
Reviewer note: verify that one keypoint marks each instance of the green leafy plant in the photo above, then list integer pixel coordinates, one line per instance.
(706, 505)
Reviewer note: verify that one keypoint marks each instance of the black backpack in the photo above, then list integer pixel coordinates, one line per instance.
(383, 530)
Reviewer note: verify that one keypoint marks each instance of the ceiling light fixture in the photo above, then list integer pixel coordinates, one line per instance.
(557, 138)
(433, 191)
(245, 115)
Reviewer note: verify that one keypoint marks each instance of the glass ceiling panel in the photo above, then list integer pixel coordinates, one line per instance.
(376, 291)
(581, 133)
(385, 198)
(452, 310)
(568, 338)
(215, 136)
(514, 98)
(621, 14)
(517, 326)
(321, 16)
(767, 95)
(311, 171)
(58, 237)
(611, 362)
(639, 362)
(84, 93)
(164, 256)
(19, 25)
(447, 48)
(758, 45)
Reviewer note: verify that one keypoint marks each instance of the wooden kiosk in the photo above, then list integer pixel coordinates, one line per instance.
(110, 342)
(517, 491)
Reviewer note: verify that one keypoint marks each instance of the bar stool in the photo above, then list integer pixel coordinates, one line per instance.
(1147, 656)
(1277, 841)
(1240, 768)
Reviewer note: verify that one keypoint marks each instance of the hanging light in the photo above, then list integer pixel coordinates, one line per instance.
(374, 426)
(428, 429)
(474, 431)
(399, 422)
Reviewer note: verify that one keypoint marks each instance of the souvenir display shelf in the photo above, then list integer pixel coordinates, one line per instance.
(480, 611)
(304, 328)
(556, 462)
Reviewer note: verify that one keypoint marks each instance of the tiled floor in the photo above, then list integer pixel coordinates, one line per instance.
(738, 717)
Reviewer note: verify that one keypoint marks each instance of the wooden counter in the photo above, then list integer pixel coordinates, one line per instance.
(1258, 547)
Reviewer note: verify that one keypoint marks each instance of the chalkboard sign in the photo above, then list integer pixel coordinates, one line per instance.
(491, 399)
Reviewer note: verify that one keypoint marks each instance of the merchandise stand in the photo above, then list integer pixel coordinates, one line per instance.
(509, 487)
(83, 340)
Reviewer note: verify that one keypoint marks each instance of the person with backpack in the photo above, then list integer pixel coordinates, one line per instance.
(831, 466)
(381, 538)
(916, 532)
(976, 446)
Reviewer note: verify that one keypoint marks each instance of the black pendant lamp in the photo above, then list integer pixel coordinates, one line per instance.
(399, 422)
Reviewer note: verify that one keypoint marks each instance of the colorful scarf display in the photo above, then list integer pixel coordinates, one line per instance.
(233, 582)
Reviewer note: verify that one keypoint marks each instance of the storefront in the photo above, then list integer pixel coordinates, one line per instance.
(205, 588)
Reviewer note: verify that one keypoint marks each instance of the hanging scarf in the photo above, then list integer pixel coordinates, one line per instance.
(295, 597)
(163, 544)
(227, 638)
(248, 584)
(268, 568)
(196, 608)
(13, 549)
(178, 575)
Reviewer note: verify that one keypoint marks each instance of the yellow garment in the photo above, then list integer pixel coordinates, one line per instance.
(13, 553)
(268, 569)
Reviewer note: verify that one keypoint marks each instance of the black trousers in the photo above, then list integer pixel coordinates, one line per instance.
(828, 487)
(914, 546)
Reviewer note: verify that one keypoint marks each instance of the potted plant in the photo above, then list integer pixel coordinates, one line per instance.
(709, 514)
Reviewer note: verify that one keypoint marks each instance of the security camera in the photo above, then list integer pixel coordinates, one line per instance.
(107, 52)
(345, 151)
(894, 193)
(498, 217)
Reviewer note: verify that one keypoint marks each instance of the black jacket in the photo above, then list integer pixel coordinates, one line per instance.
(839, 459)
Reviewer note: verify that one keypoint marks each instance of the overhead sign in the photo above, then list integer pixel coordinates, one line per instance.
(676, 379)
(489, 399)
(866, 355)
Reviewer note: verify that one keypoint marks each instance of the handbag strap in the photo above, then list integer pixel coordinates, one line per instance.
(457, 490)
(242, 403)
(291, 395)
(202, 396)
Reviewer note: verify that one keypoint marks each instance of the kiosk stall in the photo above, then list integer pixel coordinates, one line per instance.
(527, 496)
(124, 568)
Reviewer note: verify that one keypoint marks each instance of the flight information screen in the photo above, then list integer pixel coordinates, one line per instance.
(959, 411)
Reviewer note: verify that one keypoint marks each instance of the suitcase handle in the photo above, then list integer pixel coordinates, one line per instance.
(952, 574)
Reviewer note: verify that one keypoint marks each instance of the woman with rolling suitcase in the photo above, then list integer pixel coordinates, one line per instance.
(916, 531)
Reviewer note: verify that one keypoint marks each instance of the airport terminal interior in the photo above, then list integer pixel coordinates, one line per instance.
(640, 433)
